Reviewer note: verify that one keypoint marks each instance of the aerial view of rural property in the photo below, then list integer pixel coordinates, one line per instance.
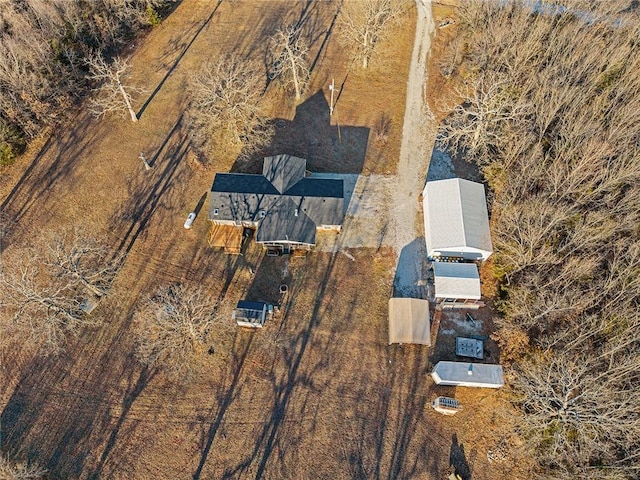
(319, 239)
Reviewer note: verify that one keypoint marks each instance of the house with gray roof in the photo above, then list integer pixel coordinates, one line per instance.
(284, 206)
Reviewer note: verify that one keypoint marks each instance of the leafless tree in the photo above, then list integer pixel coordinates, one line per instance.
(172, 328)
(364, 23)
(43, 48)
(113, 91)
(225, 106)
(10, 470)
(554, 129)
(581, 410)
(47, 289)
(290, 64)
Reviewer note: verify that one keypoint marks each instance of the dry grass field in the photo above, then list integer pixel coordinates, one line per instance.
(317, 393)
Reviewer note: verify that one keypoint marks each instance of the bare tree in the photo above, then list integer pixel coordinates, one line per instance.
(364, 22)
(10, 470)
(290, 63)
(172, 327)
(225, 106)
(113, 92)
(43, 47)
(79, 259)
(47, 290)
(581, 411)
(554, 128)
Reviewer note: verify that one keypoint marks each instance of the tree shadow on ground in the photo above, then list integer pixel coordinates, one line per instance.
(458, 459)
(147, 191)
(183, 51)
(58, 416)
(268, 439)
(137, 382)
(37, 182)
(226, 395)
(388, 443)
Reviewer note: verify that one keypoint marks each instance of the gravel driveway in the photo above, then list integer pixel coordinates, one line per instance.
(383, 210)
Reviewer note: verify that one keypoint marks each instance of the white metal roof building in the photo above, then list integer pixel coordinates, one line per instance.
(409, 321)
(464, 374)
(456, 220)
(456, 281)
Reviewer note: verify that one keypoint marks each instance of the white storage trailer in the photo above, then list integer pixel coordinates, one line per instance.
(456, 220)
(465, 374)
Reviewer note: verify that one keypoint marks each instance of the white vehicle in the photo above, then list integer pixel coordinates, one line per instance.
(189, 222)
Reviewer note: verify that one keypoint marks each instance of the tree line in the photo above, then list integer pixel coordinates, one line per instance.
(548, 105)
(45, 50)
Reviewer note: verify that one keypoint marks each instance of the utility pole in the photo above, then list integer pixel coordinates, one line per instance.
(144, 160)
(332, 89)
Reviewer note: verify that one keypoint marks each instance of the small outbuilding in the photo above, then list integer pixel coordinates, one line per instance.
(457, 285)
(251, 314)
(463, 374)
(456, 220)
(409, 321)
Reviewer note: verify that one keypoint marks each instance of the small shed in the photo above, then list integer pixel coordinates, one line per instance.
(456, 219)
(250, 314)
(409, 321)
(464, 374)
(456, 284)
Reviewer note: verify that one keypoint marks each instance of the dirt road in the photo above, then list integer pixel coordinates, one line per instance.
(406, 232)
(383, 210)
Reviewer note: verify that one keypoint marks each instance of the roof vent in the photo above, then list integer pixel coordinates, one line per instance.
(262, 213)
(215, 211)
(296, 213)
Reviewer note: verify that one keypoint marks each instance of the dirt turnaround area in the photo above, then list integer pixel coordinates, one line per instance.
(317, 393)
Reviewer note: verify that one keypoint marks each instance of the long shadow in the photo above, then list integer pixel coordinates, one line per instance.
(409, 277)
(56, 415)
(142, 203)
(37, 181)
(410, 415)
(389, 444)
(133, 392)
(240, 350)
(458, 459)
(200, 203)
(325, 39)
(28, 172)
(284, 388)
(177, 61)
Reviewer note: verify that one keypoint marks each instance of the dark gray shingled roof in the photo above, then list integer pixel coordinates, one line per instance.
(242, 183)
(244, 197)
(281, 224)
(284, 171)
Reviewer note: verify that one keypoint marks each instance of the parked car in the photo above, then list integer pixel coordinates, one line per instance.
(189, 222)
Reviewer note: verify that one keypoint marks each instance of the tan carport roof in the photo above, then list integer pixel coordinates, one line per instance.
(409, 321)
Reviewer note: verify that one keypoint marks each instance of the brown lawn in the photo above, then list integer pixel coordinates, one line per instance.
(317, 393)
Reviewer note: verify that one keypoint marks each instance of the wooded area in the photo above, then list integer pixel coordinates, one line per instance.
(549, 108)
(44, 48)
